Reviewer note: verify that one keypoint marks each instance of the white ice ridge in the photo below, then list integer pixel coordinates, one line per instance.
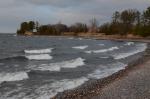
(16, 76)
(102, 50)
(39, 51)
(80, 47)
(139, 48)
(39, 57)
(57, 66)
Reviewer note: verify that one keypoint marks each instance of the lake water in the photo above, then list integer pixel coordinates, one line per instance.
(40, 67)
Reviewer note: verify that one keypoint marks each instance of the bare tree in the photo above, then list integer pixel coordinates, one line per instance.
(93, 25)
(146, 16)
(116, 17)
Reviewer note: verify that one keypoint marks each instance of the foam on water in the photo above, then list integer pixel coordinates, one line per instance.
(98, 73)
(80, 38)
(101, 44)
(102, 50)
(71, 38)
(129, 43)
(139, 48)
(104, 57)
(57, 66)
(16, 76)
(59, 86)
(88, 52)
(80, 47)
(39, 57)
(49, 90)
(39, 51)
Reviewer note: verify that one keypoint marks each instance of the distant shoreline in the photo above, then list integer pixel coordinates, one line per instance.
(102, 36)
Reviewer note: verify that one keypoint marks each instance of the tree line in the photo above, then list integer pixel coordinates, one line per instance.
(130, 21)
(51, 29)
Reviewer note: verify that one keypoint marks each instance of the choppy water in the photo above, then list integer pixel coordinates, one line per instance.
(40, 67)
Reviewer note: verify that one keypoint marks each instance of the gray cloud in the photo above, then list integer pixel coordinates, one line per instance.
(13, 12)
(56, 3)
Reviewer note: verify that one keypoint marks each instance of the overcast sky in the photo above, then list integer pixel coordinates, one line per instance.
(13, 12)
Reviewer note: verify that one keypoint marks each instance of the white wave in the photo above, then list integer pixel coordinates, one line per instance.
(16, 76)
(89, 52)
(71, 38)
(80, 38)
(107, 71)
(139, 48)
(80, 47)
(39, 57)
(129, 43)
(101, 44)
(39, 51)
(49, 91)
(73, 63)
(104, 57)
(57, 66)
(102, 50)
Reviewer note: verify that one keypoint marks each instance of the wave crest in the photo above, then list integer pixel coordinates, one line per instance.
(16, 76)
(39, 57)
(80, 47)
(129, 43)
(102, 50)
(57, 66)
(59, 86)
(139, 48)
(39, 51)
(98, 73)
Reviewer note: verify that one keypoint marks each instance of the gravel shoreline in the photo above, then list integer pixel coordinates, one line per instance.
(93, 88)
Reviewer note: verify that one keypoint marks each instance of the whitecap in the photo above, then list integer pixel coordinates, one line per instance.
(80, 47)
(73, 63)
(39, 51)
(49, 91)
(80, 38)
(104, 57)
(102, 50)
(88, 52)
(107, 71)
(139, 48)
(39, 57)
(57, 66)
(129, 43)
(16, 76)
(101, 44)
(71, 38)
